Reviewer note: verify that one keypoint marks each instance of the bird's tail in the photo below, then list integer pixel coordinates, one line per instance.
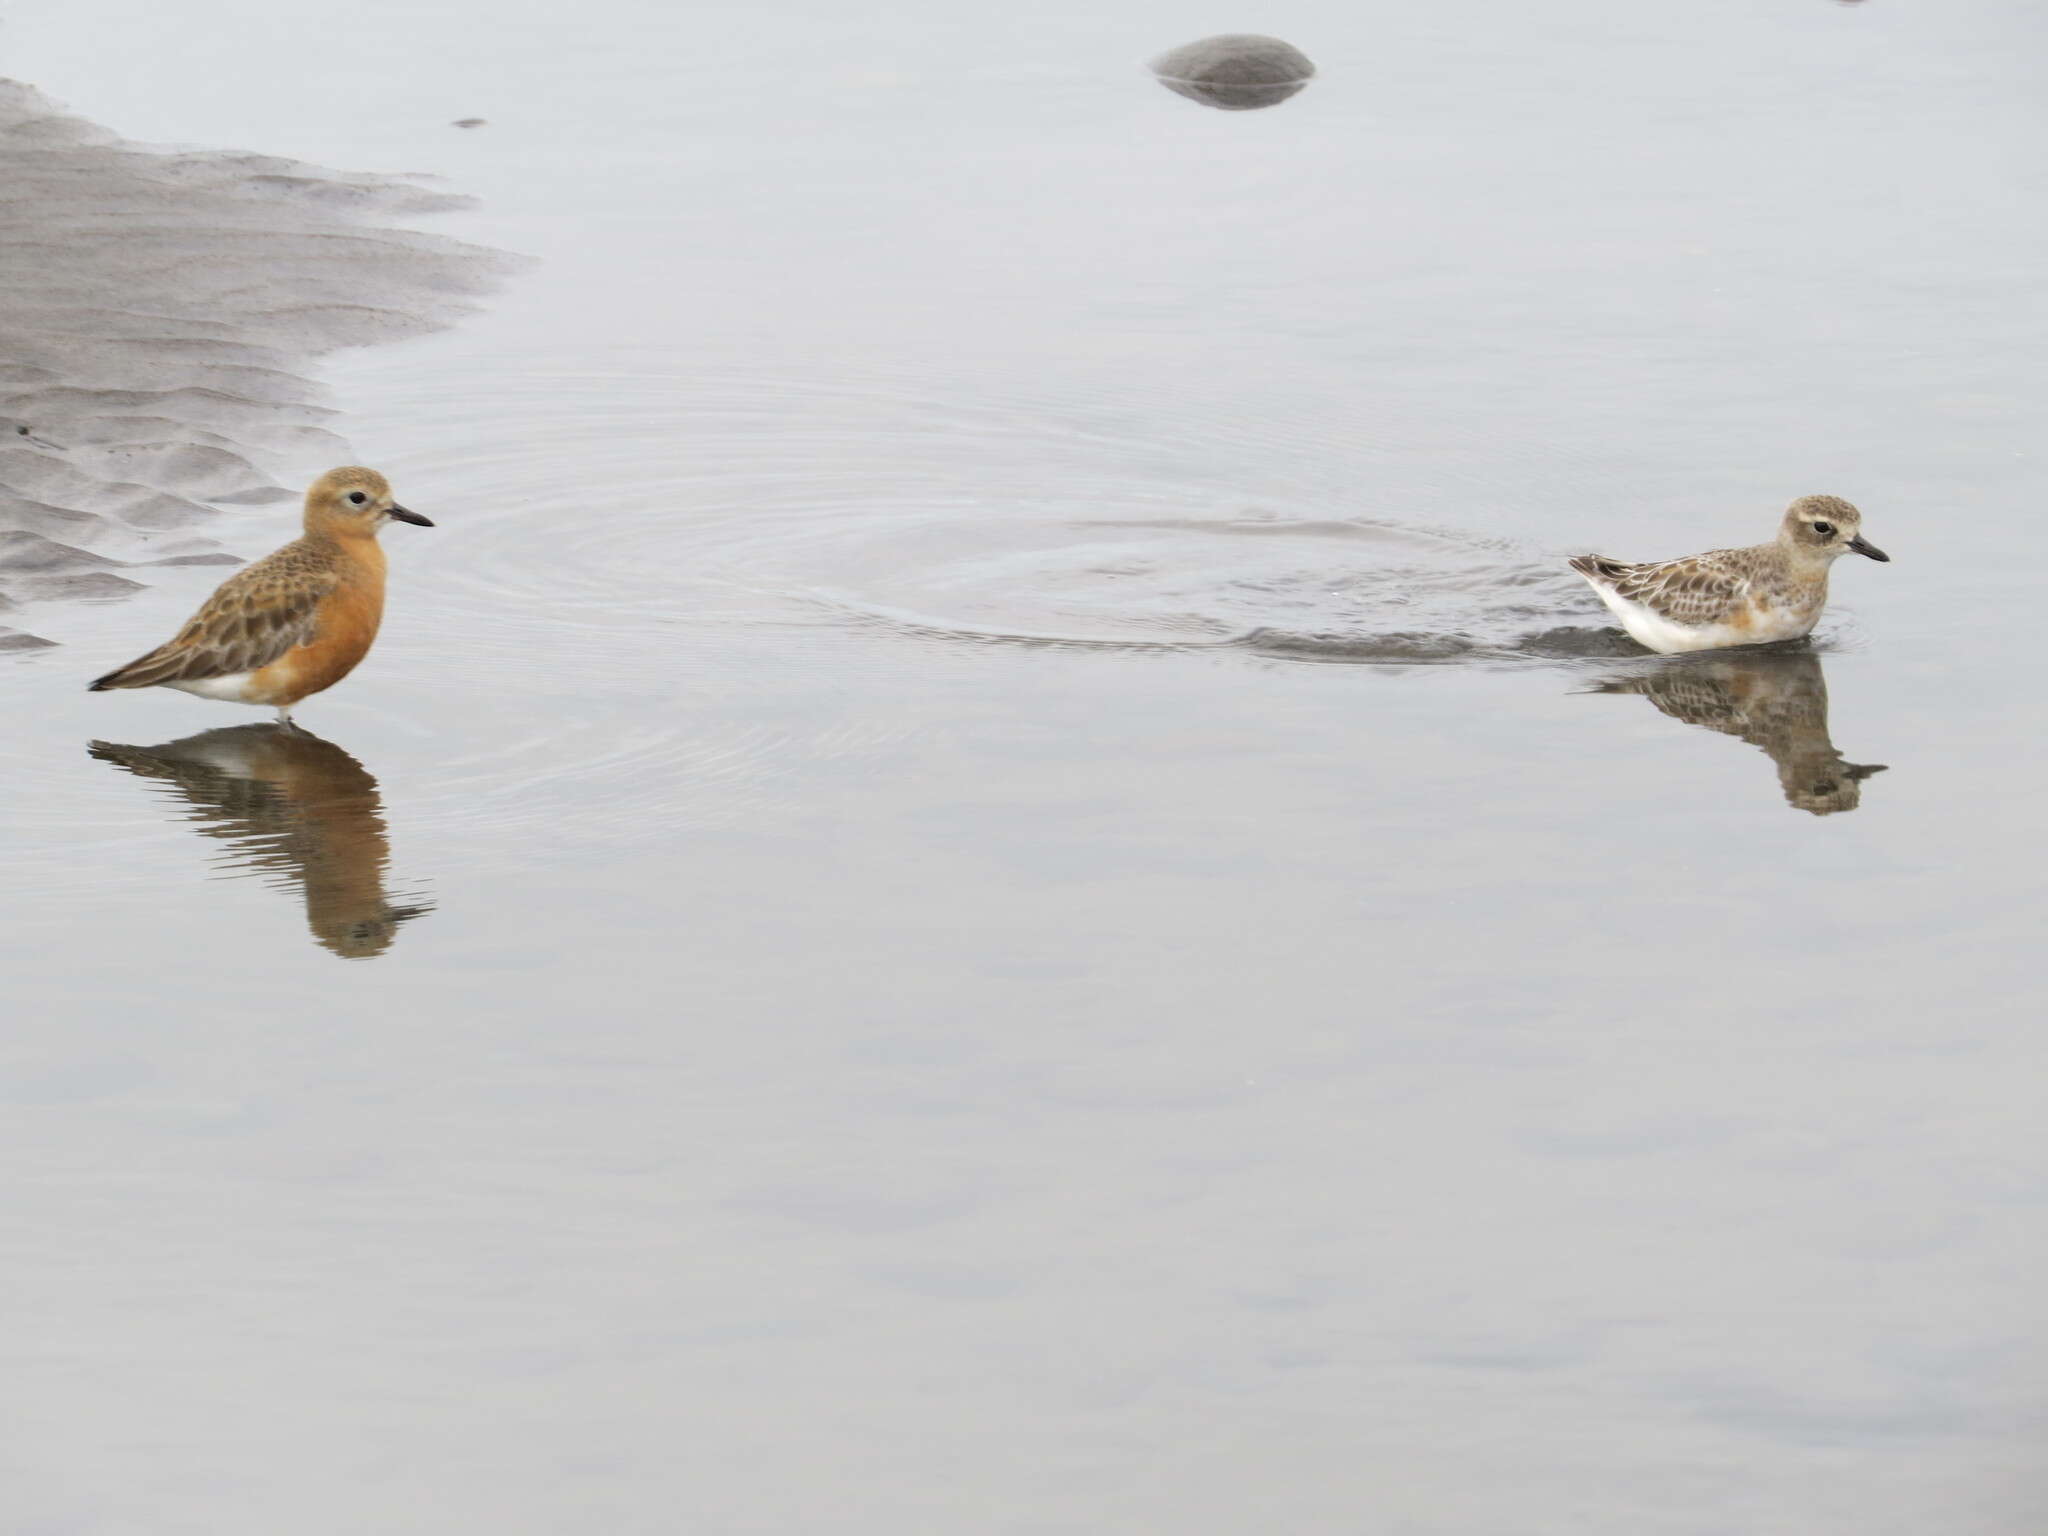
(1598, 566)
(143, 672)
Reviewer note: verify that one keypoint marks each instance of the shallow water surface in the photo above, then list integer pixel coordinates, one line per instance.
(989, 876)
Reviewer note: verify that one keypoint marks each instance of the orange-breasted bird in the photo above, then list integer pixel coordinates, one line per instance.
(295, 622)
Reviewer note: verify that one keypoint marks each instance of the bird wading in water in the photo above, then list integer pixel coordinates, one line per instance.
(1754, 596)
(295, 622)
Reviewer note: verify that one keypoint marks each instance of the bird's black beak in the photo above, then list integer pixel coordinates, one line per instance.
(1871, 550)
(405, 516)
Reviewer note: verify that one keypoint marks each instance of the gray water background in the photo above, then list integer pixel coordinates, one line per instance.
(898, 981)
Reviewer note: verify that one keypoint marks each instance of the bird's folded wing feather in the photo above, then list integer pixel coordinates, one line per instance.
(256, 616)
(1691, 591)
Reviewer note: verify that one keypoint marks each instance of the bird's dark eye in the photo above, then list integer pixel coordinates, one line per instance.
(1825, 530)
(357, 499)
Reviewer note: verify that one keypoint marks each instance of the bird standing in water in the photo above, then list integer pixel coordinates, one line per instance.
(295, 622)
(1727, 597)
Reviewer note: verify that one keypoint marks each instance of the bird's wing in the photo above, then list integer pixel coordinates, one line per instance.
(1695, 590)
(254, 618)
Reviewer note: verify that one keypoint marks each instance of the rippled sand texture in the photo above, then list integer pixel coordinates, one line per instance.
(161, 311)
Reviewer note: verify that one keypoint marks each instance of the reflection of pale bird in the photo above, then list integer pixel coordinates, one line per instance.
(1753, 596)
(296, 621)
(1777, 702)
(293, 808)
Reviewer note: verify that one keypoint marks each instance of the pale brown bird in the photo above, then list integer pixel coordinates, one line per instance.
(295, 622)
(1752, 596)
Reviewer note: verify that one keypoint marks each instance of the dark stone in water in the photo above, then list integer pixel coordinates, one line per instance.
(15, 640)
(1235, 72)
(22, 431)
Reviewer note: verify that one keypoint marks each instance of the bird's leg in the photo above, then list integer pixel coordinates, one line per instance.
(284, 717)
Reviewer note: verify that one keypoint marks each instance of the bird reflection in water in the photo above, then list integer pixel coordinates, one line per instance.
(1777, 700)
(293, 809)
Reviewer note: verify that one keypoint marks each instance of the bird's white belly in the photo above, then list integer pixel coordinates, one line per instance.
(1669, 638)
(234, 687)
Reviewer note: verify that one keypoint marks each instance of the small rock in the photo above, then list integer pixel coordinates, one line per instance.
(1235, 72)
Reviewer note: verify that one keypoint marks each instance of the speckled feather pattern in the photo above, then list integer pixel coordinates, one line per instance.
(1713, 587)
(255, 617)
(1727, 597)
(295, 622)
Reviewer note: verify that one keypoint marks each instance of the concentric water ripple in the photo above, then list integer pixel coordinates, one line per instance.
(605, 505)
